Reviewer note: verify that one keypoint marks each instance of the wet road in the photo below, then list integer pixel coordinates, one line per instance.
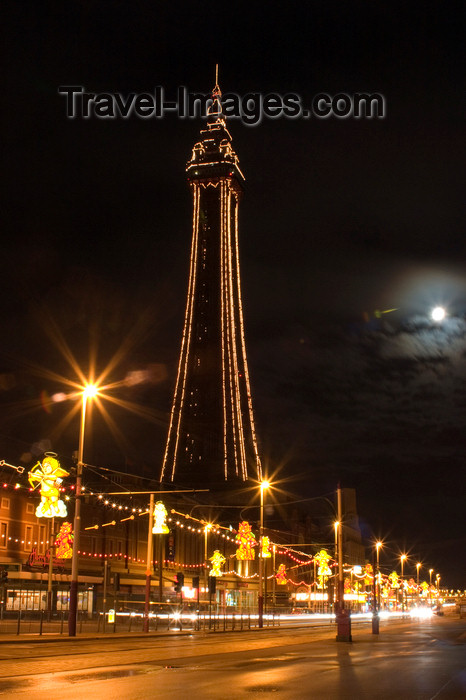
(415, 660)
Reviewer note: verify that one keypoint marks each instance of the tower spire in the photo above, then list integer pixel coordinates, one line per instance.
(214, 112)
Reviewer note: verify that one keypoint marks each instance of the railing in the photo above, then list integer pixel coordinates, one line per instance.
(41, 623)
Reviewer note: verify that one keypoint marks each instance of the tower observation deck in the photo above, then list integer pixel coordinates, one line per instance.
(211, 436)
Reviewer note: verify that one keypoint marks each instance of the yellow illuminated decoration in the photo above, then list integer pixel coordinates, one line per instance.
(281, 575)
(322, 558)
(160, 519)
(265, 549)
(64, 542)
(369, 574)
(394, 580)
(217, 560)
(49, 475)
(246, 541)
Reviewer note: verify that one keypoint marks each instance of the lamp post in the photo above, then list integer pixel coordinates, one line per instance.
(402, 558)
(377, 550)
(88, 392)
(343, 616)
(431, 571)
(260, 601)
(437, 585)
(375, 591)
(336, 525)
(418, 566)
(148, 564)
(207, 527)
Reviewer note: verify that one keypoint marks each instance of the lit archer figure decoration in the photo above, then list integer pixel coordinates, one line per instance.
(217, 560)
(49, 475)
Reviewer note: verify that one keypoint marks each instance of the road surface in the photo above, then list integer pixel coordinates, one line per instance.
(408, 660)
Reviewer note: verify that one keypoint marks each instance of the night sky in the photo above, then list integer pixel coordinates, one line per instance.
(341, 218)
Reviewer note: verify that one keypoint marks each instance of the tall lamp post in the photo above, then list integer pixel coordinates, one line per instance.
(418, 566)
(88, 392)
(431, 571)
(263, 486)
(402, 558)
(375, 592)
(377, 550)
(336, 525)
(343, 616)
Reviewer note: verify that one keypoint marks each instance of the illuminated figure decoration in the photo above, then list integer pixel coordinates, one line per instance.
(347, 585)
(211, 437)
(394, 580)
(281, 575)
(424, 588)
(217, 560)
(369, 574)
(322, 558)
(64, 542)
(265, 549)
(49, 476)
(160, 520)
(246, 541)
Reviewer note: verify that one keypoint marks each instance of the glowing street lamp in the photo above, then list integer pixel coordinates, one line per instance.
(263, 486)
(378, 545)
(88, 392)
(336, 525)
(402, 558)
(431, 571)
(418, 566)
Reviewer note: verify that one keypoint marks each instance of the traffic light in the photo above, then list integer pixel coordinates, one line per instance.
(195, 581)
(3, 576)
(179, 583)
(212, 584)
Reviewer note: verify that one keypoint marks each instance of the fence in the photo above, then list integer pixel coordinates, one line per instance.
(41, 623)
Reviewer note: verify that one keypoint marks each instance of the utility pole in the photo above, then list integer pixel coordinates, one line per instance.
(343, 617)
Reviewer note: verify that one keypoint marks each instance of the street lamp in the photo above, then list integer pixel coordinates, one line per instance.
(418, 566)
(207, 528)
(336, 525)
(378, 545)
(431, 571)
(263, 486)
(402, 558)
(88, 392)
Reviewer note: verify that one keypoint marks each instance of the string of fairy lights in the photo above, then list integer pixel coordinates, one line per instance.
(198, 526)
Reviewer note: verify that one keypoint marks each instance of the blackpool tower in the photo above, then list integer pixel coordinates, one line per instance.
(211, 436)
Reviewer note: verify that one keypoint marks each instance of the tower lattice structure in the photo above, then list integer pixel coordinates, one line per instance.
(212, 437)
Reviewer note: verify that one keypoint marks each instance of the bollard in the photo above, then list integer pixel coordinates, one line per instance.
(41, 622)
(19, 622)
(62, 622)
(343, 619)
(375, 623)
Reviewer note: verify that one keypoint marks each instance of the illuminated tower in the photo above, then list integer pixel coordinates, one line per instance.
(211, 437)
